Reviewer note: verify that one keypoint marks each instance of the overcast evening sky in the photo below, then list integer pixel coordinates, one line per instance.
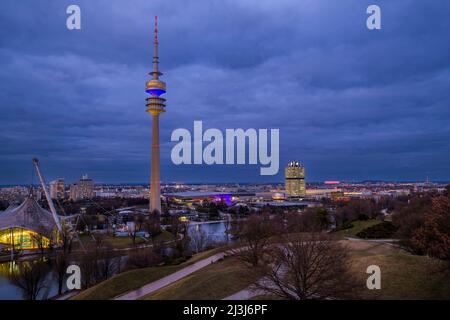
(350, 103)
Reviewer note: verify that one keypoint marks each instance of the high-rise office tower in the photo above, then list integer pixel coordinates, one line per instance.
(84, 189)
(155, 106)
(57, 189)
(295, 180)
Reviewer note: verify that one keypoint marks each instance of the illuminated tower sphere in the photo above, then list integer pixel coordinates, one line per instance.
(155, 106)
(295, 180)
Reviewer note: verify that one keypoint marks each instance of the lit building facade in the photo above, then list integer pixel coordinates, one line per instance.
(57, 189)
(196, 196)
(84, 189)
(295, 180)
(27, 226)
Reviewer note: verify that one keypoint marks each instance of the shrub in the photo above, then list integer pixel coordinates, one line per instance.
(379, 231)
(346, 225)
(142, 258)
(179, 260)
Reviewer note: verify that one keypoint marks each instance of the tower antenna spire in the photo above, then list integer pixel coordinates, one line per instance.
(156, 29)
(155, 72)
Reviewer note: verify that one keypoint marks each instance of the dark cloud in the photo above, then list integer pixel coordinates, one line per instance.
(350, 103)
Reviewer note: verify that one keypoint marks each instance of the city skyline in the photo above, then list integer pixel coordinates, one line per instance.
(351, 105)
(304, 154)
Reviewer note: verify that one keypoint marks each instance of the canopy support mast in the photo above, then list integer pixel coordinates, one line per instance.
(47, 196)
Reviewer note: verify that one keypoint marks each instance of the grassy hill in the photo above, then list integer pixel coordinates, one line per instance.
(134, 279)
(217, 281)
(403, 276)
(358, 226)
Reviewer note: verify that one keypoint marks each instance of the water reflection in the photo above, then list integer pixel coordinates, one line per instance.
(215, 233)
(9, 291)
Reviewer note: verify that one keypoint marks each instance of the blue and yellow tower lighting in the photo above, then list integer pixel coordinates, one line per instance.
(155, 87)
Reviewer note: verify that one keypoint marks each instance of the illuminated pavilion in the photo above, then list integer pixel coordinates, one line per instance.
(24, 226)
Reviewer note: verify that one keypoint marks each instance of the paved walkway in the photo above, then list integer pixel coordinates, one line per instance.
(389, 242)
(245, 294)
(373, 240)
(197, 223)
(158, 284)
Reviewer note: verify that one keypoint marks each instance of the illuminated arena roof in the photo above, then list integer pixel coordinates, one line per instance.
(29, 215)
(190, 195)
(11, 207)
(196, 194)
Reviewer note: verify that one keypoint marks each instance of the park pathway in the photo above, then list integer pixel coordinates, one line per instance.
(158, 284)
(245, 294)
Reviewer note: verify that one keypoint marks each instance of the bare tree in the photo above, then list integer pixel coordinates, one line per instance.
(97, 263)
(179, 230)
(255, 234)
(106, 263)
(176, 227)
(199, 240)
(153, 225)
(39, 240)
(227, 225)
(159, 247)
(65, 240)
(142, 258)
(310, 220)
(88, 263)
(59, 269)
(315, 267)
(138, 221)
(31, 278)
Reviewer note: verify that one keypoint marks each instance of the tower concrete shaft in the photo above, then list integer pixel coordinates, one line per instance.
(155, 106)
(155, 187)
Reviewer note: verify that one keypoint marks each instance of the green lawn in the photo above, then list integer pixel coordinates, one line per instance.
(215, 282)
(124, 242)
(134, 279)
(165, 236)
(358, 226)
(124, 282)
(403, 275)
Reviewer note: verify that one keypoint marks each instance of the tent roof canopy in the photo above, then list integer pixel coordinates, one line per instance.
(29, 215)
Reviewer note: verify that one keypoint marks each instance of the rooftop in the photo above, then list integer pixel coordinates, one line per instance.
(29, 215)
(196, 194)
(287, 203)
